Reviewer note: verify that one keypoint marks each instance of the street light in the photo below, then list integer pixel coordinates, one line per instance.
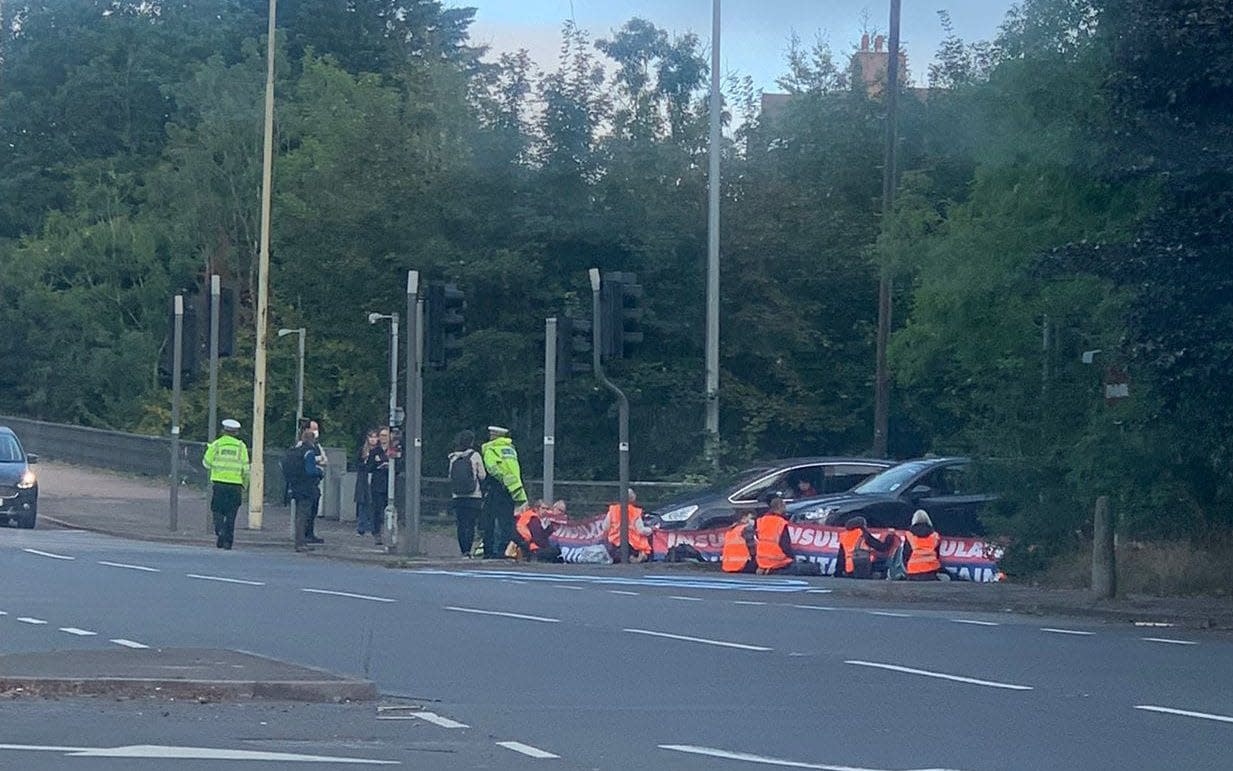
(391, 517)
(299, 379)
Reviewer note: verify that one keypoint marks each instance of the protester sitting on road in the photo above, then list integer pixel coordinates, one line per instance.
(739, 547)
(859, 549)
(532, 534)
(639, 532)
(920, 550)
(559, 514)
(774, 552)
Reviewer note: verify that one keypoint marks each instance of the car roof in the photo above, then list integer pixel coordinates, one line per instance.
(774, 462)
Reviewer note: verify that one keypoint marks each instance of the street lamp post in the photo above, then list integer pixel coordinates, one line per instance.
(391, 511)
(299, 378)
(712, 251)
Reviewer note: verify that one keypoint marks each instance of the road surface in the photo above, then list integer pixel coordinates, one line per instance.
(585, 668)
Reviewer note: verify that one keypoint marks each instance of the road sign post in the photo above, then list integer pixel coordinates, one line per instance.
(550, 406)
(176, 364)
(597, 332)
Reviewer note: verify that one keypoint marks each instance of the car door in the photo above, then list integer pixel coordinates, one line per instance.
(953, 505)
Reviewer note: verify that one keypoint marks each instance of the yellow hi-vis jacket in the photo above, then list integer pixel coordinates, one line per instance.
(501, 462)
(227, 459)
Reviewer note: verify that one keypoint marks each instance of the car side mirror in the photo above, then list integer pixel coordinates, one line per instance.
(921, 491)
(31, 458)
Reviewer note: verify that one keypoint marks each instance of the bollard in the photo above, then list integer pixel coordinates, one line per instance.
(1104, 557)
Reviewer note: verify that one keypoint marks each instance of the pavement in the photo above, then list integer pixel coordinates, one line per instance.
(591, 668)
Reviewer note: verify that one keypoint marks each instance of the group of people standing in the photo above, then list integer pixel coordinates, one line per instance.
(485, 491)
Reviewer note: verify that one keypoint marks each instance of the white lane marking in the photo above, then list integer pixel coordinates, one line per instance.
(3, 613)
(622, 592)
(129, 643)
(28, 620)
(1153, 623)
(813, 607)
(503, 614)
(1185, 713)
(513, 581)
(683, 598)
(940, 675)
(79, 632)
(224, 580)
(1055, 630)
(712, 752)
(427, 717)
(48, 554)
(563, 586)
(761, 584)
(155, 751)
(818, 591)
(973, 622)
(528, 750)
(703, 640)
(889, 614)
(1169, 641)
(127, 566)
(747, 602)
(348, 594)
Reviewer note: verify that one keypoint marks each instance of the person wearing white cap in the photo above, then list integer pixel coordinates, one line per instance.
(920, 550)
(227, 460)
(505, 492)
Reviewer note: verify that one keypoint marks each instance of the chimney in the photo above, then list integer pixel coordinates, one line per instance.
(865, 42)
(877, 43)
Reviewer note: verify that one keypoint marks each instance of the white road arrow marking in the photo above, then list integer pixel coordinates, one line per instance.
(162, 752)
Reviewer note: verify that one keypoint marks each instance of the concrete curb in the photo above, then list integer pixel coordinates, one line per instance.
(319, 691)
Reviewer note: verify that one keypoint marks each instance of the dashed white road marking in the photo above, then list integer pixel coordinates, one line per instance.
(1185, 713)
(528, 750)
(129, 643)
(565, 586)
(28, 620)
(513, 581)
(814, 607)
(127, 566)
(889, 614)
(427, 717)
(818, 591)
(622, 592)
(973, 622)
(712, 752)
(225, 580)
(703, 640)
(683, 598)
(78, 632)
(1168, 641)
(161, 752)
(747, 602)
(49, 554)
(1153, 623)
(349, 594)
(1055, 630)
(503, 614)
(941, 675)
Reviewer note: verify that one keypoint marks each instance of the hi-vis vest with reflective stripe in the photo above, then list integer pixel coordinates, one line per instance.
(770, 554)
(736, 549)
(227, 460)
(501, 461)
(637, 541)
(924, 556)
(524, 528)
(851, 541)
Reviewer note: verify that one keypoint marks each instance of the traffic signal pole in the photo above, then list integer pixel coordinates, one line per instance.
(413, 440)
(177, 364)
(216, 292)
(550, 406)
(622, 411)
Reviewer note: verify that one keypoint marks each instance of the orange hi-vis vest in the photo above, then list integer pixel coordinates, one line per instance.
(770, 554)
(924, 556)
(524, 527)
(736, 549)
(850, 540)
(637, 541)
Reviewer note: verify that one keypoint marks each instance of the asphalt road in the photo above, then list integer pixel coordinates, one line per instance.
(584, 667)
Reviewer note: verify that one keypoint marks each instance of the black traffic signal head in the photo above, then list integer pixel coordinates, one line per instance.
(444, 323)
(621, 312)
(573, 347)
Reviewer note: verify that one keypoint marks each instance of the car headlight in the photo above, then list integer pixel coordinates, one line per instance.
(678, 515)
(27, 481)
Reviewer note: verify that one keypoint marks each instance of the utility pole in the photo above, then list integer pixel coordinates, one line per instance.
(413, 435)
(216, 292)
(622, 411)
(712, 255)
(177, 362)
(881, 405)
(256, 485)
(550, 406)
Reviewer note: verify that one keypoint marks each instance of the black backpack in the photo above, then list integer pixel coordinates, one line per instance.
(293, 466)
(462, 475)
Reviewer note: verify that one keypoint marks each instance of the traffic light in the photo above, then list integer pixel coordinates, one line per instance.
(443, 324)
(573, 347)
(190, 342)
(226, 321)
(621, 311)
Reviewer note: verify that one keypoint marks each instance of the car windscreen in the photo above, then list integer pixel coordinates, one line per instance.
(10, 450)
(893, 479)
(742, 478)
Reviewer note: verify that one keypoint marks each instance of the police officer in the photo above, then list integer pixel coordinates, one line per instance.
(227, 460)
(504, 493)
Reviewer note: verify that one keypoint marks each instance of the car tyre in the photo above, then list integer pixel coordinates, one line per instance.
(26, 521)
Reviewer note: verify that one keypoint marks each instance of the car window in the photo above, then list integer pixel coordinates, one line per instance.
(893, 479)
(948, 480)
(840, 479)
(757, 491)
(10, 450)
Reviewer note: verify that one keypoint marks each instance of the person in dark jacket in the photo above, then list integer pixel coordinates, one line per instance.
(920, 550)
(308, 490)
(363, 495)
(378, 463)
(859, 549)
(467, 506)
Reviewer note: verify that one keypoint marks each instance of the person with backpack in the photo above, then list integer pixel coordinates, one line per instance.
(467, 473)
(303, 474)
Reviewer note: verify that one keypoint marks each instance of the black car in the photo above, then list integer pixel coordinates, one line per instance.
(721, 504)
(19, 488)
(940, 486)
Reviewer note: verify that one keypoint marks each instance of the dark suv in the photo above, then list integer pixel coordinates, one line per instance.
(19, 488)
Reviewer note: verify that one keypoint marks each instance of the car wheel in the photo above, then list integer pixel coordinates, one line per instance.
(26, 521)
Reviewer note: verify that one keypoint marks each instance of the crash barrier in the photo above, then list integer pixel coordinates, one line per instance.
(966, 559)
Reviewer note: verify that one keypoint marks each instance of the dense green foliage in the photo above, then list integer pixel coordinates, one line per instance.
(1068, 182)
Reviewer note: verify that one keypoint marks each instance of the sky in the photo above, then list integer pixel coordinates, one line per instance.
(755, 32)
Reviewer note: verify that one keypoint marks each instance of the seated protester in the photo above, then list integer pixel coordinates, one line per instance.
(533, 537)
(920, 550)
(858, 549)
(639, 532)
(739, 547)
(773, 547)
